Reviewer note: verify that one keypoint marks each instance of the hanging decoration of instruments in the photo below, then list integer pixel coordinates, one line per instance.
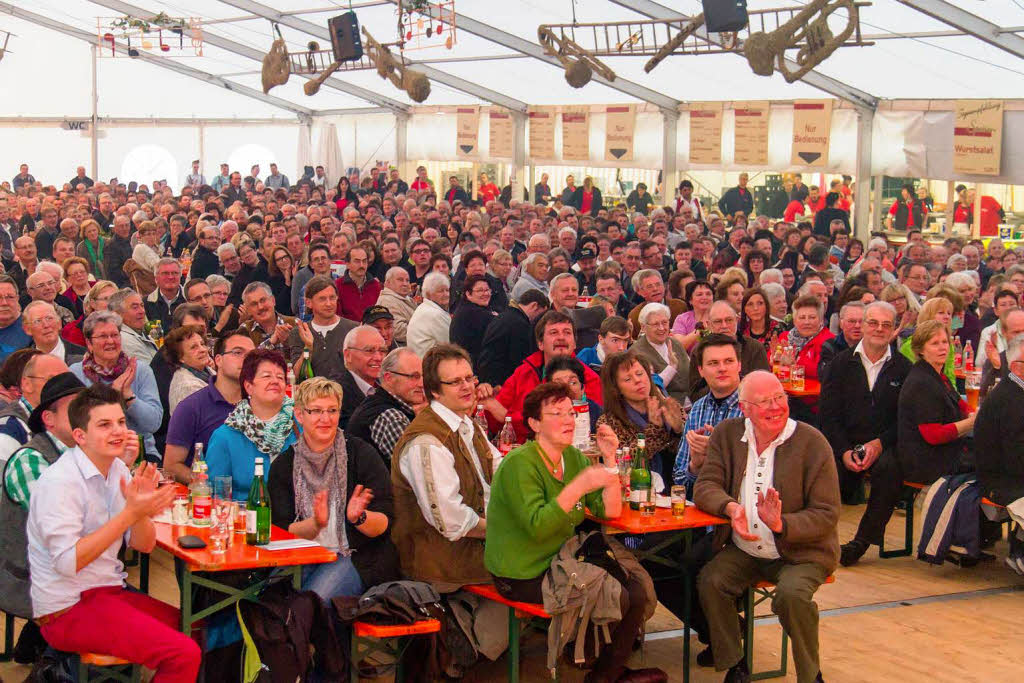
(808, 33)
(579, 64)
(159, 34)
(348, 52)
(765, 39)
(5, 38)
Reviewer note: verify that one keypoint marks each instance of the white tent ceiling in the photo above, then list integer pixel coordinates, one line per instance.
(50, 72)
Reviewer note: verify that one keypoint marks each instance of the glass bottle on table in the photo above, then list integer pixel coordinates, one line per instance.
(306, 371)
(507, 437)
(481, 419)
(257, 509)
(641, 487)
(199, 490)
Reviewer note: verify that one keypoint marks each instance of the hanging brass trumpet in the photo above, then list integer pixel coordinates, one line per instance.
(813, 40)
(579, 64)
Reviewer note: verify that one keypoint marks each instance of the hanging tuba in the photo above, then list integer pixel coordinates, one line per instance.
(813, 40)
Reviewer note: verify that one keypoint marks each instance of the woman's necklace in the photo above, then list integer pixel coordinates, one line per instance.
(556, 471)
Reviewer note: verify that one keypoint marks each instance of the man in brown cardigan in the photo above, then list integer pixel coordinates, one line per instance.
(776, 480)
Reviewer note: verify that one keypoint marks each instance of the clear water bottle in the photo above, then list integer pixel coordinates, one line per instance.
(507, 437)
(481, 419)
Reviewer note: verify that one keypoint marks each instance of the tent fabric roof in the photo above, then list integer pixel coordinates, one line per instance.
(51, 71)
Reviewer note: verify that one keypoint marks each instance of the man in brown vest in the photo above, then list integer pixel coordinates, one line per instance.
(441, 473)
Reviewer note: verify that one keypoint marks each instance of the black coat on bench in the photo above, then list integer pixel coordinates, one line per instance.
(999, 443)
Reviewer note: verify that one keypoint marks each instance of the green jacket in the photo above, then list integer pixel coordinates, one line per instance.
(525, 526)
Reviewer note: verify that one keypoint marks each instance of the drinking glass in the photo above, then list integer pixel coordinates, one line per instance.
(240, 517)
(625, 469)
(222, 488)
(796, 378)
(678, 501)
(221, 525)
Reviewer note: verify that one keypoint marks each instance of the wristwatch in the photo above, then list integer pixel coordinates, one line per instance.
(360, 520)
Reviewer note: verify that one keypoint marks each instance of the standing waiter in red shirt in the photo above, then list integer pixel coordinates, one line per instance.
(907, 212)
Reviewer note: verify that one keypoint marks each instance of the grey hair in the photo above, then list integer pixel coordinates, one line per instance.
(770, 276)
(117, 299)
(805, 288)
(744, 390)
(641, 275)
(214, 280)
(878, 243)
(36, 304)
(225, 248)
(849, 307)
(560, 277)
(253, 286)
(391, 361)
(139, 216)
(955, 258)
(434, 282)
(167, 261)
(880, 305)
(1014, 347)
(393, 271)
(567, 231)
(532, 258)
(100, 318)
(773, 289)
(653, 309)
(353, 334)
(955, 280)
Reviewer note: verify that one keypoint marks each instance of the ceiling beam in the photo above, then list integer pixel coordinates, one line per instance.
(859, 98)
(229, 45)
(969, 23)
(161, 62)
(320, 31)
(531, 49)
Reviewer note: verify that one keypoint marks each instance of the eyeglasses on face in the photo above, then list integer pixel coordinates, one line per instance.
(317, 413)
(414, 376)
(371, 350)
(777, 399)
(470, 379)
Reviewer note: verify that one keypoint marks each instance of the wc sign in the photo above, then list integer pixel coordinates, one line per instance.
(79, 125)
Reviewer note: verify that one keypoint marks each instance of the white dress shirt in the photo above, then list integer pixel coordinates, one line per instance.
(58, 350)
(72, 500)
(758, 478)
(994, 333)
(429, 468)
(364, 387)
(872, 369)
(669, 373)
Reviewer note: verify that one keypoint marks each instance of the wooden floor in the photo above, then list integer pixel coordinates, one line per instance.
(883, 620)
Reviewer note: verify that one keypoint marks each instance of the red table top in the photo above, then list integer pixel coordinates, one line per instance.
(812, 387)
(631, 521)
(238, 555)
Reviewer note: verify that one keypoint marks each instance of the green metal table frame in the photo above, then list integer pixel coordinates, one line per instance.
(654, 554)
(187, 579)
(907, 499)
(515, 623)
(394, 647)
(123, 673)
(753, 598)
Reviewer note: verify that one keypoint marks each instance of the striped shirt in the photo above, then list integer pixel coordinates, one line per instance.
(706, 411)
(24, 470)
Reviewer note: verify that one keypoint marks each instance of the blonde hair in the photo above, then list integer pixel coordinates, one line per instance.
(924, 332)
(96, 290)
(315, 388)
(933, 307)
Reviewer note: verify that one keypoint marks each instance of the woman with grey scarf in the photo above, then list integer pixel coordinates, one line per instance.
(335, 491)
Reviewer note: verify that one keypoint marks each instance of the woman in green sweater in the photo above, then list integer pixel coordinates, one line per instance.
(538, 496)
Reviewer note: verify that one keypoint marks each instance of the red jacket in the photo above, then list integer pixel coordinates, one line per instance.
(810, 354)
(529, 375)
(352, 300)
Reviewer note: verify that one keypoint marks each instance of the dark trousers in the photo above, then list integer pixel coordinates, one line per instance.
(611, 663)
(725, 579)
(886, 488)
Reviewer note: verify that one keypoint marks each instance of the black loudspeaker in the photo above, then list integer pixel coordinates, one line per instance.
(725, 16)
(345, 41)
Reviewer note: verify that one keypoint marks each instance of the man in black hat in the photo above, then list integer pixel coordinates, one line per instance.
(587, 273)
(382, 319)
(52, 436)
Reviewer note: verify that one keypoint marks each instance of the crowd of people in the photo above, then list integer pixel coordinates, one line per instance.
(369, 341)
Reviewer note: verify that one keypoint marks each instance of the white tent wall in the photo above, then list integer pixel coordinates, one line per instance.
(241, 146)
(147, 153)
(365, 139)
(51, 152)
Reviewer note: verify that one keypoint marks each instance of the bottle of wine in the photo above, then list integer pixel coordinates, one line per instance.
(639, 476)
(291, 382)
(306, 371)
(257, 509)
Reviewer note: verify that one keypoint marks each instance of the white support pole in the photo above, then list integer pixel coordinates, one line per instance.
(669, 169)
(863, 221)
(202, 146)
(518, 155)
(401, 143)
(94, 141)
(876, 205)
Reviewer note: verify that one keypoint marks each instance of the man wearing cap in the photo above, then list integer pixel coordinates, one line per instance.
(586, 274)
(52, 436)
(380, 318)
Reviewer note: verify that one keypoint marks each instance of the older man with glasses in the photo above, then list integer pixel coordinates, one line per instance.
(364, 352)
(43, 325)
(723, 319)
(383, 416)
(775, 479)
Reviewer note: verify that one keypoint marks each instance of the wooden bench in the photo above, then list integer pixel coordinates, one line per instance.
(368, 638)
(761, 591)
(517, 611)
(107, 668)
(8, 652)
